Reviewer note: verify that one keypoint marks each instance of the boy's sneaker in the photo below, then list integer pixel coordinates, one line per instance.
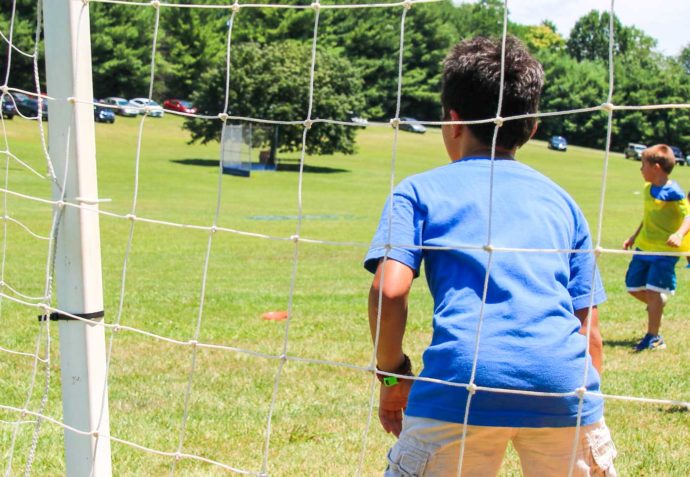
(652, 342)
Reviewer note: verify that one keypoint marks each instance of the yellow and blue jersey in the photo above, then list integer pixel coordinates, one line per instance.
(665, 208)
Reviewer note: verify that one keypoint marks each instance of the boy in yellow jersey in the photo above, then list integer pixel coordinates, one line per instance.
(665, 223)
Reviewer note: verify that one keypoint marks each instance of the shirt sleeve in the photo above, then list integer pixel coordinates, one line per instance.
(401, 227)
(585, 286)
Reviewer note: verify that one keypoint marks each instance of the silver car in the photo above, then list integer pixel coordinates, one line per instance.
(121, 106)
(155, 109)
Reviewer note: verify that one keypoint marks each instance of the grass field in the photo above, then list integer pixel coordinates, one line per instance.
(321, 411)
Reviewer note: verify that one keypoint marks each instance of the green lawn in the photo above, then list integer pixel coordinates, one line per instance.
(320, 418)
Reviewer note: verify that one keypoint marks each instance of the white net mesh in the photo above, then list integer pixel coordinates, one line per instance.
(183, 372)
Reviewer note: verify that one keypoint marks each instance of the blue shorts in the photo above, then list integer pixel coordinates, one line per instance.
(652, 272)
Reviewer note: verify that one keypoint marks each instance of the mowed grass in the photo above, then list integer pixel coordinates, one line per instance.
(319, 422)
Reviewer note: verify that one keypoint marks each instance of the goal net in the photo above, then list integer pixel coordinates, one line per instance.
(162, 316)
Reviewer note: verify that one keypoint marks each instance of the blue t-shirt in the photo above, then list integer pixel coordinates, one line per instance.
(529, 336)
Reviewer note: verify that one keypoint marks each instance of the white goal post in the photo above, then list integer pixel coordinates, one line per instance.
(78, 256)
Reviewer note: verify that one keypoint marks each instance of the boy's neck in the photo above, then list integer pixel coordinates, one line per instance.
(662, 180)
(470, 146)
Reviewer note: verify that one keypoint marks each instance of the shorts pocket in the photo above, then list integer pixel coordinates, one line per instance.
(603, 451)
(406, 459)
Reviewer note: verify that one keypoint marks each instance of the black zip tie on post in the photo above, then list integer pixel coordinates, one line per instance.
(57, 316)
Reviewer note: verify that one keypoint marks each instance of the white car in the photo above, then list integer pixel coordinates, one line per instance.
(155, 109)
(121, 106)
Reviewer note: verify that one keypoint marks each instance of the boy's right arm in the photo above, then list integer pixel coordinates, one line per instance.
(390, 288)
(630, 241)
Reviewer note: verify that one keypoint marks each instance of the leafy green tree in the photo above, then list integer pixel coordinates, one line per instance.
(684, 58)
(191, 40)
(21, 67)
(543, 37)
(484, 17)
(569, 85)
(272, 82)
(121, 42)
(589, 38)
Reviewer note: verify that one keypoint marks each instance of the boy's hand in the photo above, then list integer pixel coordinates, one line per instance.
(629, 242)
(674, 240)
(392, 403)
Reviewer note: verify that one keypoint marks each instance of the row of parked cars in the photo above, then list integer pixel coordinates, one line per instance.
(104, 109)
(634, 151)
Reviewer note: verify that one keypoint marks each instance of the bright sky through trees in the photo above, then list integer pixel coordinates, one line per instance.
(666, 21)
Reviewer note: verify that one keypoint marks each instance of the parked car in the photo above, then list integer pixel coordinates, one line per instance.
(101, 114)
(155, 109)
(29, 107)
(680, 157)
(558, 143)
(9, 110)
(180, 105)
(415, 128)
(122, 106)
(633, 150)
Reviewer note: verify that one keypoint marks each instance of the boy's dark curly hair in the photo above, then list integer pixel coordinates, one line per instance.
(472, 81)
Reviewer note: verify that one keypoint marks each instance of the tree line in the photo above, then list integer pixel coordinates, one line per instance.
(357, 61)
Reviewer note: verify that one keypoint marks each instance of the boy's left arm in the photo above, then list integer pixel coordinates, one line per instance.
(596, 345)
(675, 239)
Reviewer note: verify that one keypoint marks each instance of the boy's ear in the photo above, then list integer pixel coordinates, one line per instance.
(457, 128)
(534, 129)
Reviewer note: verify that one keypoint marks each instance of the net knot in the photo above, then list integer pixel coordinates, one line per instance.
(407, 4)
(498, 121)
(472, 389)
(131, 217)
(72, 100)
(214, 229)
(193, 343)
(308, 122)
(178, 456)
(94, 433)
(223, 116)
(156, 4)
(235, 7)
(581, 392)
(4, 89)
(294, 238)
(316, 6)
(608, 107)
(45, 308)
(395, 122)
(60, 204)
(488, 248)
(116, 328)
(598, 251)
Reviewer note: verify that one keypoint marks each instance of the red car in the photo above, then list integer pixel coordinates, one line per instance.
(179, 105)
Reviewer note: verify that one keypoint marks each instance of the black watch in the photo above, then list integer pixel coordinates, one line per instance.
(404, 369)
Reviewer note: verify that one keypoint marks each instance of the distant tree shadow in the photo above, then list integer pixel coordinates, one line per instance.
(196, 162)
(294, 167)
(283, 166)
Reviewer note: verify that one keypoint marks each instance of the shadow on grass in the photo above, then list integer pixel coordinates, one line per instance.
(292, 166)
(676, 409)
(630, 343)
(196, 162)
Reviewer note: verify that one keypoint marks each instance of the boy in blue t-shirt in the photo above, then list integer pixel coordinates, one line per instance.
(664, 227)
(508, 259)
